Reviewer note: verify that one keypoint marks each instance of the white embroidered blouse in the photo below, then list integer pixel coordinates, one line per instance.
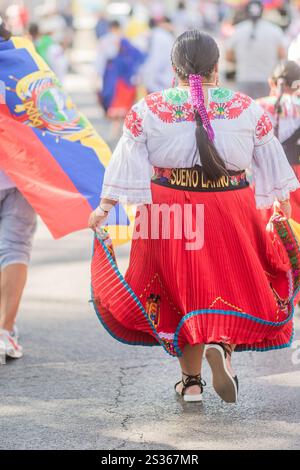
(289, 119)
(160, 131)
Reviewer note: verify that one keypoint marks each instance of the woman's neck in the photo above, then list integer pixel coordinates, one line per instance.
(208, 84)
(205, 85)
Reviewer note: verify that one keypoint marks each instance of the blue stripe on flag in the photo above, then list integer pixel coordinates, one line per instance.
(77, 160)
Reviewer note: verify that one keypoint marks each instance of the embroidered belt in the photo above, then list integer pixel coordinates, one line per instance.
(193, 179)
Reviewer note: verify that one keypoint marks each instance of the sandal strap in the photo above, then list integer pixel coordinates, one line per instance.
(176, 385)
(192, 380)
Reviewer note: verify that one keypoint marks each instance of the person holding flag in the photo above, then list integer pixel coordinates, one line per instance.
(52, 163)
(17, 227)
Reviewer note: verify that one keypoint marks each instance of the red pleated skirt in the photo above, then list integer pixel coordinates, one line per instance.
(238, 287)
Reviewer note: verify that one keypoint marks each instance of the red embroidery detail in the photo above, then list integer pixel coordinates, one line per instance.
(134, 123)
(172, 113)
(264, 126)
(231, 109)
(169, 112)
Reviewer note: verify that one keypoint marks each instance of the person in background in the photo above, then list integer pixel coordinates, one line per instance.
(157, 72)
(118, 64)
(280, 14)
(255, 47)
(182, 19)
(137, 31)
(17, 16)
(65, 14)
(65, 9)
(294, 27)
(210, 12)
(283, 108)
(51, 51)
(102, 25)
(52, 22)
(17, 228)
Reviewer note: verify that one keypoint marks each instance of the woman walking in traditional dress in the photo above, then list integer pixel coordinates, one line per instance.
(265, 44)
(182, 159)
(283, 108)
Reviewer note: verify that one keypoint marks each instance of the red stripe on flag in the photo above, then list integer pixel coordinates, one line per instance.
(40, 178)
(4, 110)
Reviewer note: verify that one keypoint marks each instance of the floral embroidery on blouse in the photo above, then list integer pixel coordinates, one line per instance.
(134, 123)
(227, 105)
(264, 127)
(221, 95)
(171, 107)
(176, 96)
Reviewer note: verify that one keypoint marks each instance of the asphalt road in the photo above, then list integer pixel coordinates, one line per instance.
(76, 388)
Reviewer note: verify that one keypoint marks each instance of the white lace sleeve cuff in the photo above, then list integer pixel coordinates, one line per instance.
(273, 177)
(128, 176)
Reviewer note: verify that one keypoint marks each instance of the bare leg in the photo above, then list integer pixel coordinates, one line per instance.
(13, 280)
(191, 360)
(191, 364)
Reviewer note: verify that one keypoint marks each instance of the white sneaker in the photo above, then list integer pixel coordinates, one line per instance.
(9, 347)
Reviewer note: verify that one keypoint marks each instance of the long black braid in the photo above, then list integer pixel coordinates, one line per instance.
(197, 53)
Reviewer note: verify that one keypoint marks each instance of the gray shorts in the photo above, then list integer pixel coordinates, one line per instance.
(17, 227)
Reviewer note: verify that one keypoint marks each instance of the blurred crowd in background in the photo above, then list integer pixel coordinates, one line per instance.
(133, 40)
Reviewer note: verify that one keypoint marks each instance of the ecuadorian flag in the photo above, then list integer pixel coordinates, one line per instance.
(49, 149)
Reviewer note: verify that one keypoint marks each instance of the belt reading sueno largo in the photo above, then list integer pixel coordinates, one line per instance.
(193, 179)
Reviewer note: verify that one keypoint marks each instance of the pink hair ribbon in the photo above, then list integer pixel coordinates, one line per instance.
(199, 103)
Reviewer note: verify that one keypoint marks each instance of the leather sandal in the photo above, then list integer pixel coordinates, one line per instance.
(190, 381)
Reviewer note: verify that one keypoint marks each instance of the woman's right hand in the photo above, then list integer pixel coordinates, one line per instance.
(97, 218)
